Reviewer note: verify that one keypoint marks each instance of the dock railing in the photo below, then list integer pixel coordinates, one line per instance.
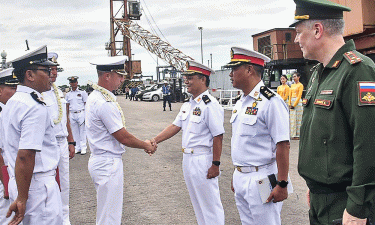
(226, 97)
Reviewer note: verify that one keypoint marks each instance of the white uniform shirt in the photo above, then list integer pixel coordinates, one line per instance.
(2, 133)
(102, 119)
(254, 137)
(49, 97)
(200, 122)
(76, 100)
(28, 125)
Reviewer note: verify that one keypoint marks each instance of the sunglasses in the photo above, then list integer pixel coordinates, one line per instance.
(47, 71)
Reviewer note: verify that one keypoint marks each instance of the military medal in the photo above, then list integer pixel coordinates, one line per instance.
(197, 111)
(251, 111)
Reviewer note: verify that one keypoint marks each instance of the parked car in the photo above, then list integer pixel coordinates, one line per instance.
(153, 95)
(153, 87)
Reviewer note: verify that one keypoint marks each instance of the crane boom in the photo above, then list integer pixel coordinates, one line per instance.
(153, 44)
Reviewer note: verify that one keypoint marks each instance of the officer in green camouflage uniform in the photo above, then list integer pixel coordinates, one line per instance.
(337, 143)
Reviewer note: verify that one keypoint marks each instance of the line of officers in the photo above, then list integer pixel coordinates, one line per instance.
(336, 153)
(26, 125)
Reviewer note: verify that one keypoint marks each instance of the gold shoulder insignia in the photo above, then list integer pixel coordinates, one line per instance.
(266, 92)
(336, 64)
(206, 99)
(352, 57)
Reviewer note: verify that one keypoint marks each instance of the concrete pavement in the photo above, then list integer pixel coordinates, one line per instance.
(154, 188)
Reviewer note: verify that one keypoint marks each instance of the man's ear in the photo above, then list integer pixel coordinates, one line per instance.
(318, 30)
(29, 75)
(107, 76)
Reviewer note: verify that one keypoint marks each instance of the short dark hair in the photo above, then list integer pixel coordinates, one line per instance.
(207, 79)
(284, 76)
(20, 73)
(258, 69)
(297, 74)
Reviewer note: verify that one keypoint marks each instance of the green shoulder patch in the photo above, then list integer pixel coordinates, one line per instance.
(366, 93)
(266, 92)
(352, 57)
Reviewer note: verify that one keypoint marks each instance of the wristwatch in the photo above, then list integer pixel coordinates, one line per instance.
(282, 183)
(72, 143)
(216, 163)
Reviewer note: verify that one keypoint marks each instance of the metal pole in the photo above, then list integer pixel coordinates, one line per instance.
(211, 59)
(201, 29)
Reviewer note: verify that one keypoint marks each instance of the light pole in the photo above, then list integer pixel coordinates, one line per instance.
(201, 29)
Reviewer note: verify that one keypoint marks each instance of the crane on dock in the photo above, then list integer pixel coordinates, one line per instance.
(122, 24)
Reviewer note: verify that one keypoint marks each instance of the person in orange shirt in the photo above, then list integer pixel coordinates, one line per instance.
(295, 105)
(283, 90)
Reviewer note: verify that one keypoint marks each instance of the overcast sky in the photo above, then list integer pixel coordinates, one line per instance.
(78, 29)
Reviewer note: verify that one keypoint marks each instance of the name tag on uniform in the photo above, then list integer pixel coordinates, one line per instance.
(326, 92)
(79, 95)
(322, 102)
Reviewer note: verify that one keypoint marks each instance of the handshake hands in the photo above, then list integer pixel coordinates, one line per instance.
(151, 146)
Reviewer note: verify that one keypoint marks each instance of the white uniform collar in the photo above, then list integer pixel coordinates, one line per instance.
(256, 90)
(198, 99)
(25, 89)
(108, 91)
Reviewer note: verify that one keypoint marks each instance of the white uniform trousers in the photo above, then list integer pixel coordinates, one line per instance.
(108, 177)
(43, 206)
(63, 166)
(77, 124)
(204, 193)
(4, 206)
(248, 201)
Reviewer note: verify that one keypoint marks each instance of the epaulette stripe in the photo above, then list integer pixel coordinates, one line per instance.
(352, 57)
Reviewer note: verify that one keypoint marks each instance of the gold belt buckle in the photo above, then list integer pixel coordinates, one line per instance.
(239, 169)
(256, 169)
(183, 150)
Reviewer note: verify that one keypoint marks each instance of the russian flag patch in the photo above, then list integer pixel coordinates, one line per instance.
(366, 93)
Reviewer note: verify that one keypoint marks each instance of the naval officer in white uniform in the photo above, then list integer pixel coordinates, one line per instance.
(202, 122)
(30, 144)
(260, 140)
(76, 100)
(56, 104)
(8, 86)
(107, 135)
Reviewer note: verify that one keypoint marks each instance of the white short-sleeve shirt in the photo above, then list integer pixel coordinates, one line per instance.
(2, 132)
(258, 124)
(76, 99)
(28, 125)
(50, 99)
(103, 118)
(200, 122)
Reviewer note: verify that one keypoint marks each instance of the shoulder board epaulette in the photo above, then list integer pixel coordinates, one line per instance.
(1, 109)
(315, 67)
(352, 57)
(237, 97)
(206, 99)
(36, 98)
(266, 92)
